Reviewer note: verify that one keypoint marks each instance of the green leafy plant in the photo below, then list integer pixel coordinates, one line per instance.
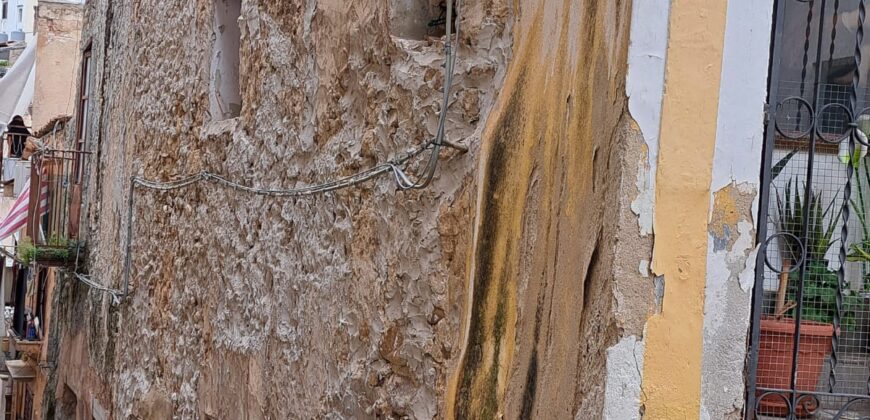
(820, 296)
(860, 252)
(4, 63)
(819, 235)
(777, 169)
(56, 250)
(790, 223)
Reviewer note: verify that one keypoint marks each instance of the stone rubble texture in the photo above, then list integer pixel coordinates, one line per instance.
(356, 303)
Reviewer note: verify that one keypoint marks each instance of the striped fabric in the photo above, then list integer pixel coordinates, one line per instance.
(17, 217)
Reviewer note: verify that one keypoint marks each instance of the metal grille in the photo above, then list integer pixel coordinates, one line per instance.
(810, 354)
(59, 172)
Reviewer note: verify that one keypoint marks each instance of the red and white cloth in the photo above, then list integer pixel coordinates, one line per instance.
(17, 217)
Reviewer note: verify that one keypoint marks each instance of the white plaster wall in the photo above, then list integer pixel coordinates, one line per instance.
(644, 86)
(737, 162)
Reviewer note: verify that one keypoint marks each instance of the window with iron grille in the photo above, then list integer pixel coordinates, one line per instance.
(810, 354)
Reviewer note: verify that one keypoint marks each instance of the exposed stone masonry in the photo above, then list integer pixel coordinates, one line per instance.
(356, 303)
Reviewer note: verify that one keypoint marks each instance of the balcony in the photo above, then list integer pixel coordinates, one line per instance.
(32, 348)
(54, 209)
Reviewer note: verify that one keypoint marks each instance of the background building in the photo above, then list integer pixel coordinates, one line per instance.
(17, 19)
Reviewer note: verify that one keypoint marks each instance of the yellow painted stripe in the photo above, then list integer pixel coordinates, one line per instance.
(672, 362)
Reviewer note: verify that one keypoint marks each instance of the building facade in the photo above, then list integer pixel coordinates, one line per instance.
(16, 19)
(59, 24)
(604, 234)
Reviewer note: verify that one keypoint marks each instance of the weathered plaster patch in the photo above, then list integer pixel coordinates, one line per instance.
(659, 289)
(644, 87)
(726, 316)
(671, 383)
(731, 205)
(730, 260)
(732, 254)
(622, 393)
(643, 268)
(732, 235)
(747, 276)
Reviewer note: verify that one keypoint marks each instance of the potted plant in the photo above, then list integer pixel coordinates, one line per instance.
(57, 252)
(820, 291)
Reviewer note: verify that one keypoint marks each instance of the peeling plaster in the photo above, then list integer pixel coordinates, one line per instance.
(731, 249)
(659, 284)
(643, 268)
(747, 276)
(644, 86)
(622, 394)
(726, 317)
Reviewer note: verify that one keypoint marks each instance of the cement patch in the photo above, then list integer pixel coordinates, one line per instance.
(623, 387)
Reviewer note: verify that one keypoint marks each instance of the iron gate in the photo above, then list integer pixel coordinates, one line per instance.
(811, 308)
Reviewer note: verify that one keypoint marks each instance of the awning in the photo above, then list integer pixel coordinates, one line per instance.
(20, 370)
(16, 88)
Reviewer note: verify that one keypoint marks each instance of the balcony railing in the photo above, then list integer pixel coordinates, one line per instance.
(54, 208)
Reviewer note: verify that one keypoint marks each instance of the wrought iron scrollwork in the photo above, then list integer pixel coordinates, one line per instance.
(818, 119)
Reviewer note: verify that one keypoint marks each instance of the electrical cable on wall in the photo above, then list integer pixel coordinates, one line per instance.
(393, 166)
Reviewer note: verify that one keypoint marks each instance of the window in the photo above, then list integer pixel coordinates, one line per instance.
(5, 13)
(417, 19)
(19, 290)
(225, 96)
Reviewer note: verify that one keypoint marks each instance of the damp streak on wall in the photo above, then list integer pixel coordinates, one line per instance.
(672, 366)
(547, 148)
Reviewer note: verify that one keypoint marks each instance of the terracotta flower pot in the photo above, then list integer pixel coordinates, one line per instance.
(775, 360)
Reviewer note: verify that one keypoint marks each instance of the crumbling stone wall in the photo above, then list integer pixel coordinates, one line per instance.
(346, 303)
(368, 301)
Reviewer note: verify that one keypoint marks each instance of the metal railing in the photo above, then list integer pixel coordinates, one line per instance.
(59, 174)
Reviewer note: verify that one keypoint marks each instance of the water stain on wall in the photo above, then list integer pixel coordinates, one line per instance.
(542, 310)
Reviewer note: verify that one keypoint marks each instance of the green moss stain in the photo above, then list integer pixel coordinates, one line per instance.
(474, 375)
(553, 125)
